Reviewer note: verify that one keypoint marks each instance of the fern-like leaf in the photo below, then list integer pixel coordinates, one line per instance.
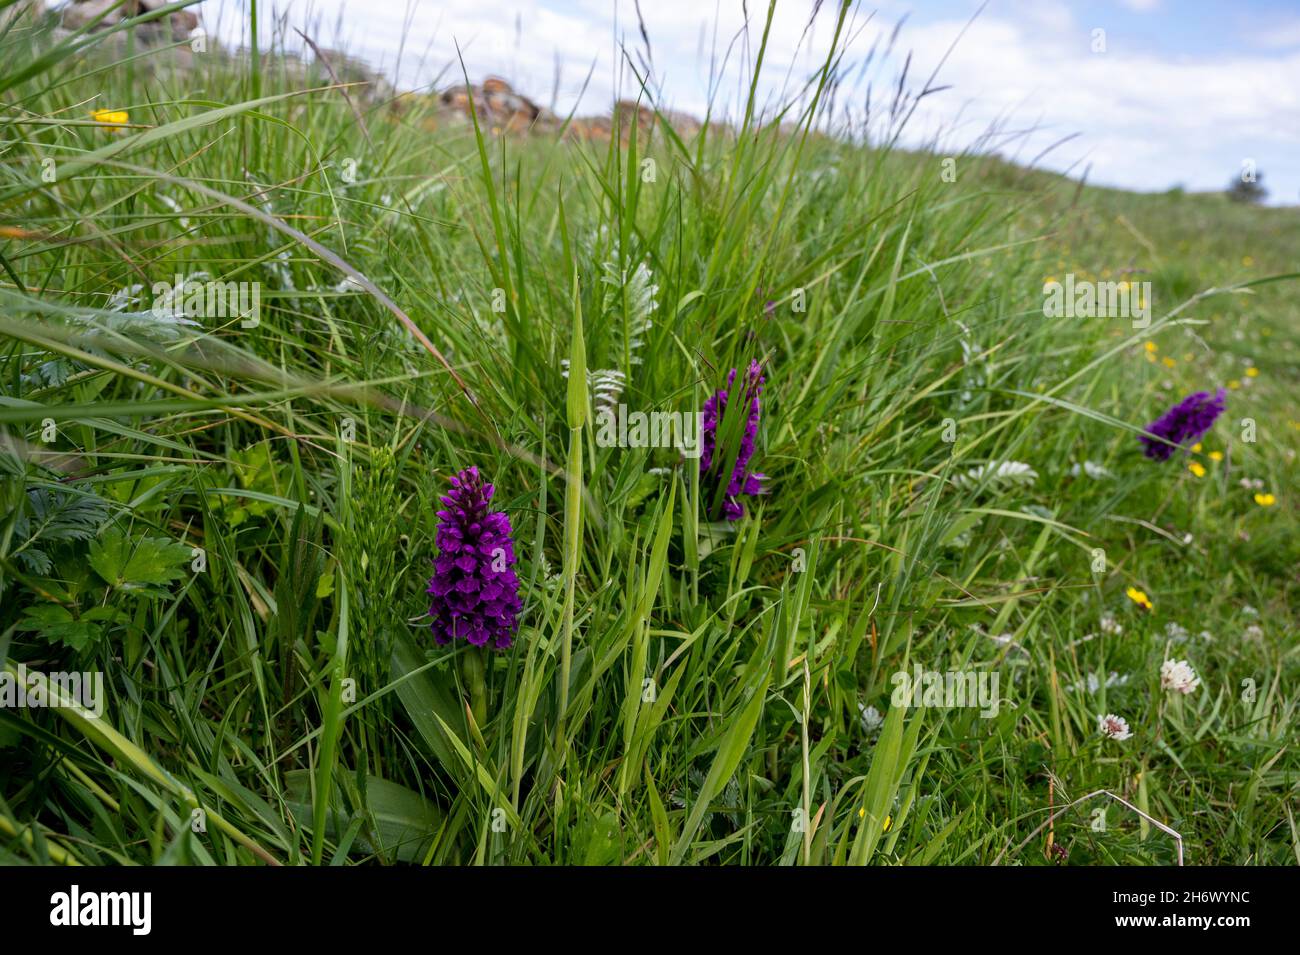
(59, 514)
(998, 474)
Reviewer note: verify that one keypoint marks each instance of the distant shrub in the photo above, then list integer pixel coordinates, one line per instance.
(1251, 191)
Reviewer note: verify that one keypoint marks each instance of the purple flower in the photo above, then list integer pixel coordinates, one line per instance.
(475, 593)
(1188, 419)
(741, 482)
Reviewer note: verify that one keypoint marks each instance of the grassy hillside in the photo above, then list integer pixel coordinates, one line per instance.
(234, 521)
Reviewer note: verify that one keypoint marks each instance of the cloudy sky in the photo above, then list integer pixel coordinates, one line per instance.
(1156, 92)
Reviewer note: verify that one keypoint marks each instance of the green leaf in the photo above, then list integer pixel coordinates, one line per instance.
(57, 625)
(58, 514)
(604, 838)
(731, 751)
(577, 394)
(425, 697)
(137, 564)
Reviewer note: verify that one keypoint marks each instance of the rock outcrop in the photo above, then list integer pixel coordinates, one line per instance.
(501, 109)
(497, 105)
(106, 13)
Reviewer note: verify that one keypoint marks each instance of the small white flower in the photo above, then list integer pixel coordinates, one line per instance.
(1249, 611)
(1254, 632)
(1110, 625)
(1095, 471)
(1114, 727)
(1178, 675)
(1176, 632)
(870, 718)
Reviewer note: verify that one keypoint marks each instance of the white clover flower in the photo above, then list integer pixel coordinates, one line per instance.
(1176, 632)
(1254, 632)
(1113, 727)
(1110, 625)
(1249, 611)
(870, 718)
(1178, 675)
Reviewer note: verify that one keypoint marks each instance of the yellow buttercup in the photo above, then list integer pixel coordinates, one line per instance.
(117, 117)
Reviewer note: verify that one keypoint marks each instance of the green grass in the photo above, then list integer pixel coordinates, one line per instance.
(680, 690)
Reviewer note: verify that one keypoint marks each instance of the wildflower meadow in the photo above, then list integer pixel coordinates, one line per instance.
(403, 485)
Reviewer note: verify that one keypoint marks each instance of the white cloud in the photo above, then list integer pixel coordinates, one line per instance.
(1277, 36)
(1145, 120)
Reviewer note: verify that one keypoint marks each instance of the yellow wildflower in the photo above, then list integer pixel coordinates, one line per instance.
(889, 820)
(1265, 500)
(1139, 598)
